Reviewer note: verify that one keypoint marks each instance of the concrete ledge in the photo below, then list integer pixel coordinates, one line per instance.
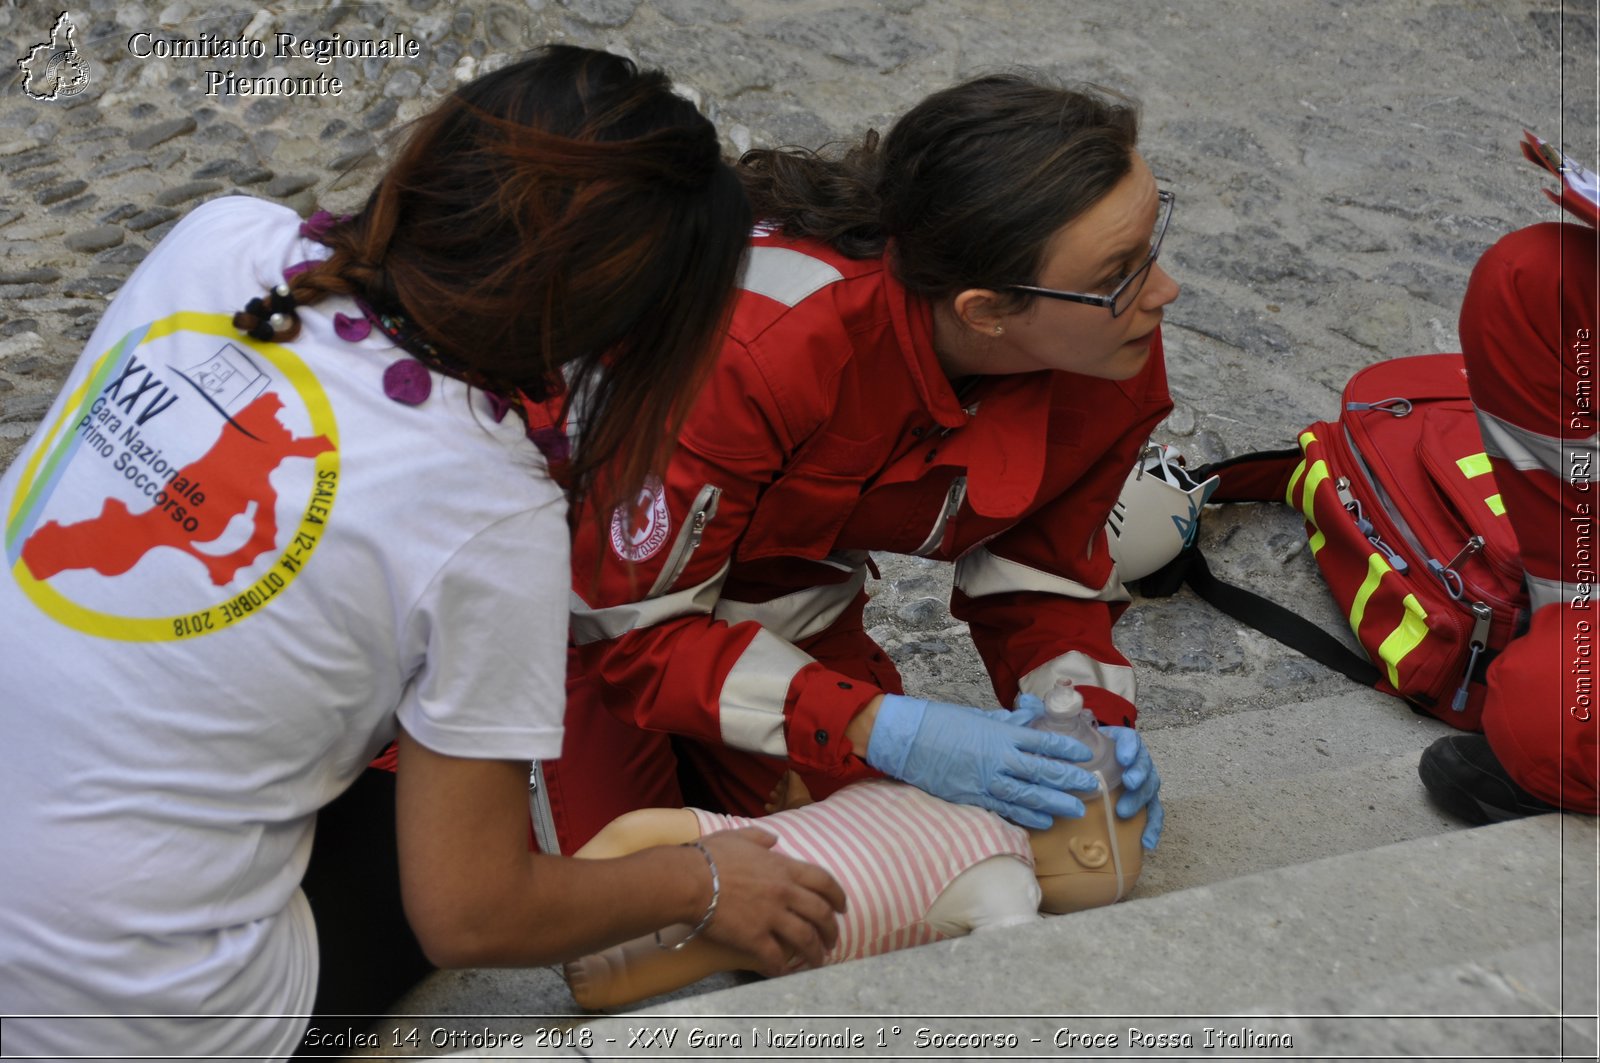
(1364, 953)
(1288, 741)
(1259, 825)
(1276, 939)
(1267, 788)
(1246, 792)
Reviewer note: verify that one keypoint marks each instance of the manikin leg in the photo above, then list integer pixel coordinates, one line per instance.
(640, 968)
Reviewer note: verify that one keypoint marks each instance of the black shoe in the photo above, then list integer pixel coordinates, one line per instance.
(1466, 780)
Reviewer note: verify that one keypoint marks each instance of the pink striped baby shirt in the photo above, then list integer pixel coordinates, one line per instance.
(892, 848)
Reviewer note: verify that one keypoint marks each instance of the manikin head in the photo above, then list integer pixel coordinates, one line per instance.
(1093, 860)
(1088, 862)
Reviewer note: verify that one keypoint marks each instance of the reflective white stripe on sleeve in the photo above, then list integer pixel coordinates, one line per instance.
(595, 625)
(798, 615)
(981, 572)
(753, 694)
(1082, 670)
(785, 275)
(1542, 592)
(1526, 449)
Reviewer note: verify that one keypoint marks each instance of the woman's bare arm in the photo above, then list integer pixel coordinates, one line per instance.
(476, 896)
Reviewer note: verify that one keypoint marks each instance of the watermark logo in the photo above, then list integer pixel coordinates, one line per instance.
(55, 69)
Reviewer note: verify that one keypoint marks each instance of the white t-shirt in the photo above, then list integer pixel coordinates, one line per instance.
(230, 566)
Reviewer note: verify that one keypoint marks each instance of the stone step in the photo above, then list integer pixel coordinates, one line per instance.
(1246, 793)
(1221, 752)
(1474, 943)
(1239, 830)
(1275, 787)
(1269, 940)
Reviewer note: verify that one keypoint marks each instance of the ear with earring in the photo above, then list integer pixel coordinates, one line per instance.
(998, 330)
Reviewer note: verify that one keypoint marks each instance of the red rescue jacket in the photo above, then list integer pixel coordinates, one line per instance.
(828, 430)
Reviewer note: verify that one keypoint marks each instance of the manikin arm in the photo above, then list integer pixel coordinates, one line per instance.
(997, 892)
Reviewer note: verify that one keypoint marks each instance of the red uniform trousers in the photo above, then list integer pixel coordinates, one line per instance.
(1528, 332)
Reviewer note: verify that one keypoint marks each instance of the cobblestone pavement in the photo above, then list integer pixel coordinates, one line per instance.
(1338, 168)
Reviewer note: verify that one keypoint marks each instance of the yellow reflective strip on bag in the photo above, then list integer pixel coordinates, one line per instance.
(1473, 465)
(1376, 568)
(1288, 496)
(1314, 479)
(1406, 636)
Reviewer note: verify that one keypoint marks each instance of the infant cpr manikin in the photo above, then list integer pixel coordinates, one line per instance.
(954, 869)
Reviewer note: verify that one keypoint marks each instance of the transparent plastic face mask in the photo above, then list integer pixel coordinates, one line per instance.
(1095, 860)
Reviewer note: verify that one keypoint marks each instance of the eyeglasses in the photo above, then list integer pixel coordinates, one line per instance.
(1126, 292)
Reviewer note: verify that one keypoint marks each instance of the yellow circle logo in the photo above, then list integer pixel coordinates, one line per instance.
(192, 471)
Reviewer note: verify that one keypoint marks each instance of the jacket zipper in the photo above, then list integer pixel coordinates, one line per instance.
(700, 514)
(689, 536)
(952, 503)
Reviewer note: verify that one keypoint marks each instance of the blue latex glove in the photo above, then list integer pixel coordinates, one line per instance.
(989, 759)
(1140, 783)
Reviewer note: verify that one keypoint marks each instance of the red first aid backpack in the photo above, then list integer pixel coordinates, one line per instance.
(1408, 529)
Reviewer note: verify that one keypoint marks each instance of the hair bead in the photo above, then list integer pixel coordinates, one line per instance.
(270, 319)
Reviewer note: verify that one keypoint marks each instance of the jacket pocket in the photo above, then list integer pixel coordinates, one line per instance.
(800, 516)
(803, 511)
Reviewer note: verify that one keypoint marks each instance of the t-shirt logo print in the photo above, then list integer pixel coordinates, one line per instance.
(227, 379)
(176, 441)
(228, 481)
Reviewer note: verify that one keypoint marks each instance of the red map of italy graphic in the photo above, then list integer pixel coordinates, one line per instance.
(234, 473)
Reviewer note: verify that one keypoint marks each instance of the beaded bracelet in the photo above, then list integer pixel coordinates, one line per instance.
(711, 909)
